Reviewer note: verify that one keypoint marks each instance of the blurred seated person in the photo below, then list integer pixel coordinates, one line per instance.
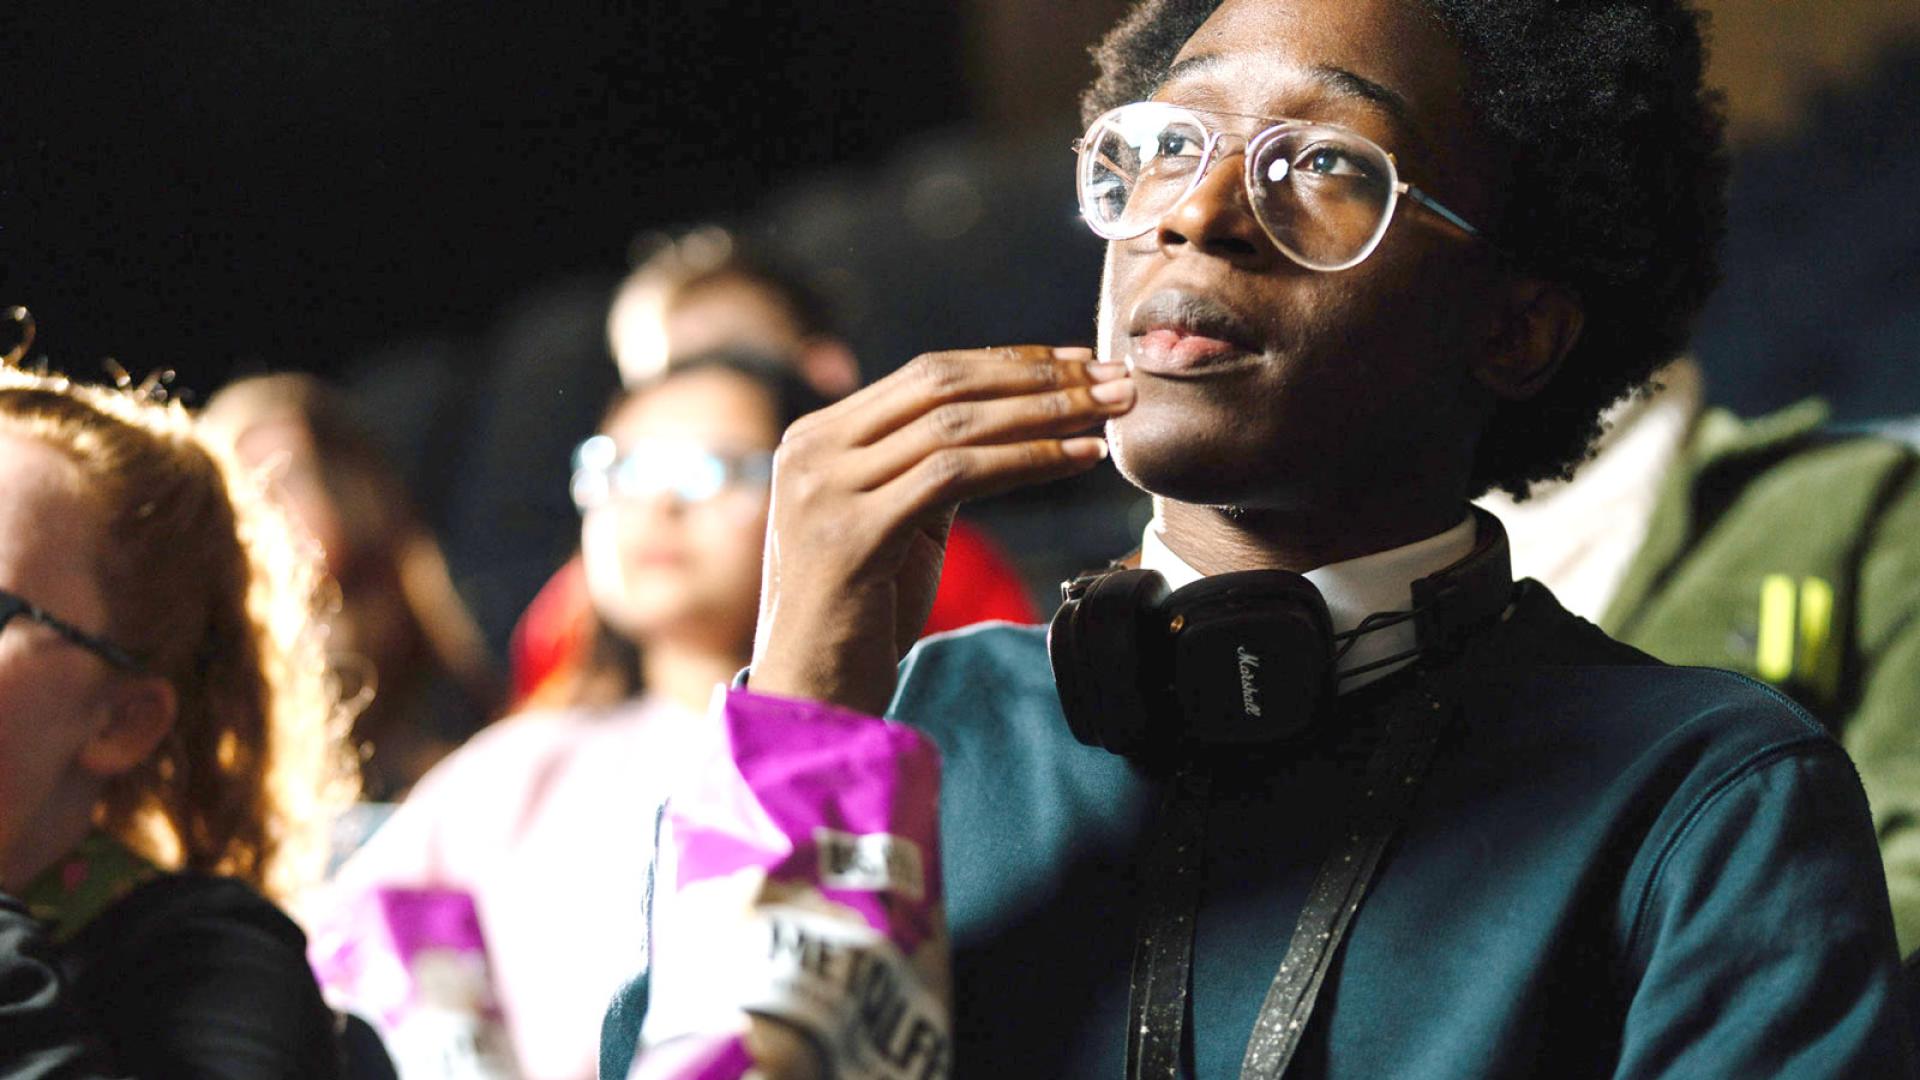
(673, 501)
(1776, 547)
(169, 758)
(401, 631)
(706, 290)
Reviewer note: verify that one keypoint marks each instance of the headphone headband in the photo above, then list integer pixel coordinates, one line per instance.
(1454, 601)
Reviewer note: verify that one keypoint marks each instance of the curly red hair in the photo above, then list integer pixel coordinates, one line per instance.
(206, 582)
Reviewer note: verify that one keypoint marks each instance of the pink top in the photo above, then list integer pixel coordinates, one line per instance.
(548, 820)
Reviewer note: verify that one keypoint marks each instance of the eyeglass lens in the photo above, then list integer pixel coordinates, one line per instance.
(1322, 193)
(690, 474)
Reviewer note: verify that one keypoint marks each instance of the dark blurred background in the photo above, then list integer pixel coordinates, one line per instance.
(276, 183)
(226, 185)
(430, 203)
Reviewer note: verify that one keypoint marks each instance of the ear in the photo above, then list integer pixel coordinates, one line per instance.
(828, 365)
(141, 710)
(1533, 333)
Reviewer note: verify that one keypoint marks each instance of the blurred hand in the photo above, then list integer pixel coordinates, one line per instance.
(864, 492)
(779, 1053)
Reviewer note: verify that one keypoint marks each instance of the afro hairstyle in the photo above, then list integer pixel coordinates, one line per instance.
(1617, 181)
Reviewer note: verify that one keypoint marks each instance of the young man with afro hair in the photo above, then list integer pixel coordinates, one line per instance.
(1347, 802)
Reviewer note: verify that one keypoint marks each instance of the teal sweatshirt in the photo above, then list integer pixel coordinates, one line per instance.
(1615, 868)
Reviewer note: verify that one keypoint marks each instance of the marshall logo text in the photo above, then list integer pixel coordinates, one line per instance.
(1249, 689)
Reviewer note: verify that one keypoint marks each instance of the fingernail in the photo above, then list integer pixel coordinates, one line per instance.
(1085, 448)
(1072, 352)
(1112, 393)
(1105, 371)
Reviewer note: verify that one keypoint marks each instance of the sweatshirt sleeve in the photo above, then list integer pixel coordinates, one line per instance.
(43, 1035)
(1761, 937)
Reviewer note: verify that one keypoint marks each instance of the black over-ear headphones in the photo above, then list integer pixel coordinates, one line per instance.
(1237, 660)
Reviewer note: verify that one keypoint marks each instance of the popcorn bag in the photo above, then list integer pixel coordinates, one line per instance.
(413, 963)
(797, 927)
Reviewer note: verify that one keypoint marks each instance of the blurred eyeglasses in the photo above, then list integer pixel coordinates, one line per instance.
(1322, 193)
(688, 472)
(13, 606)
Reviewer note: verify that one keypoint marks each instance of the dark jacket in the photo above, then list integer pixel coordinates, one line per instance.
(188, 976)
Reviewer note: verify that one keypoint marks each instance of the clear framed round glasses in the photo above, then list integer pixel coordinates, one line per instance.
(692, 474)
(1322, 193)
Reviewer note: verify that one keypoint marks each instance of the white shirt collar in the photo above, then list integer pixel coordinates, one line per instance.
(1354, 589)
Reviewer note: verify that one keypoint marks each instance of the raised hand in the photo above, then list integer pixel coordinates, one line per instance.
(865, 489)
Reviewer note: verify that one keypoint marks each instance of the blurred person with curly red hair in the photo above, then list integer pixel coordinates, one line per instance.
(169, 760)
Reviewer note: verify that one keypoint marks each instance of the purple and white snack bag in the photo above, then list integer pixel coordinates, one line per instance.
(413, 963)
(798, 928)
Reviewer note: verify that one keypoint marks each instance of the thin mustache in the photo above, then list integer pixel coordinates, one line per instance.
(1193, 314)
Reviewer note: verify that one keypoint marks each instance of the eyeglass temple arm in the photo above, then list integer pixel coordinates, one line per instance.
(1434, 205)
(100, 647)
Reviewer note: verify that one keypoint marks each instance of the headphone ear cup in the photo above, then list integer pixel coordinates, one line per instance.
(1109, 679)
(1253, 662)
